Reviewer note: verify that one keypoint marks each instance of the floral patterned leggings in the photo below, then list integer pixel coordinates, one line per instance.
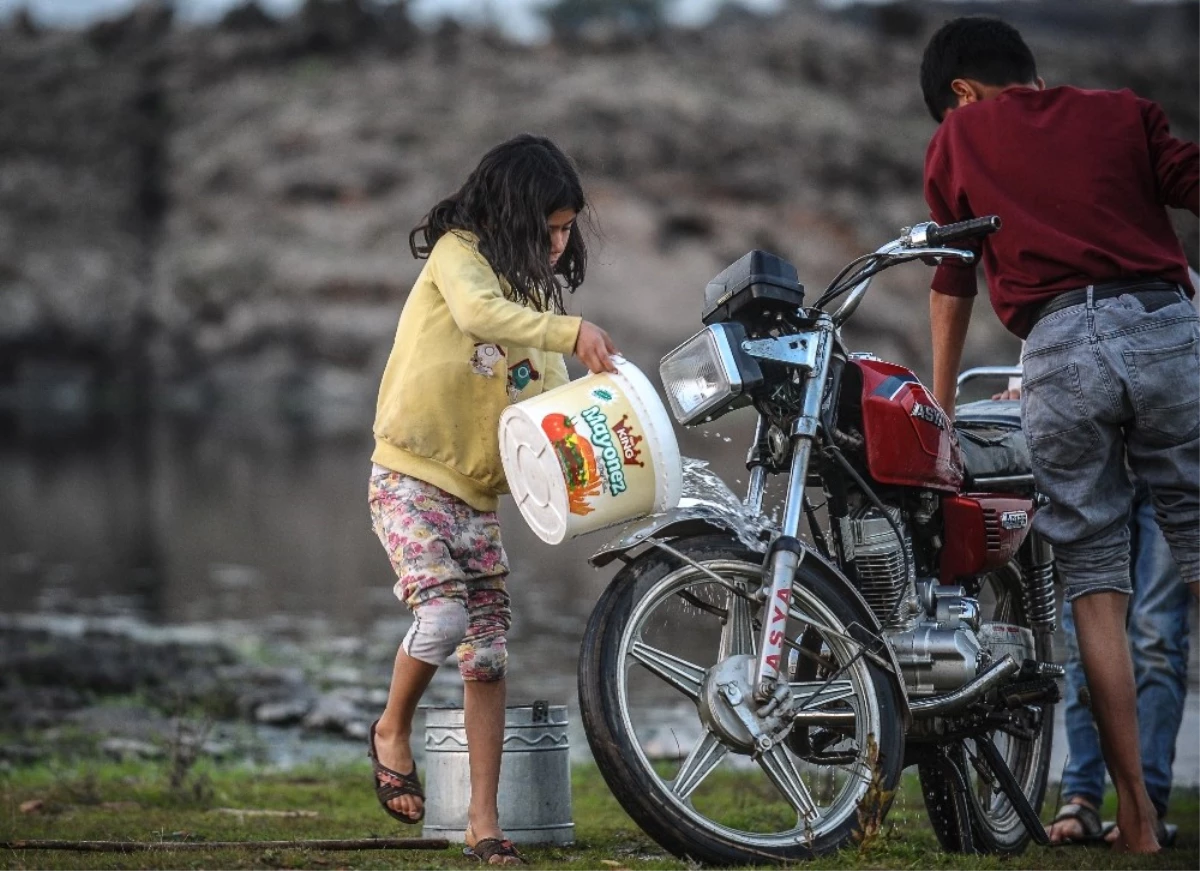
(450, 567)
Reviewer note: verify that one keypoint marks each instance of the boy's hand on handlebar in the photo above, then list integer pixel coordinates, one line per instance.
(594, 348)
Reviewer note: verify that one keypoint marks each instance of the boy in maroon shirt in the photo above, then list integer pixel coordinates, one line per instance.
(1088, 271)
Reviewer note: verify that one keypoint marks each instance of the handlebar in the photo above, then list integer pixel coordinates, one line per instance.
(924, 241)
(936, 236)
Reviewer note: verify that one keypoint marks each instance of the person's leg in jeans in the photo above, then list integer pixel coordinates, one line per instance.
(1152, 357)
(1158, 632)
(1075, 409)
(1164, 452)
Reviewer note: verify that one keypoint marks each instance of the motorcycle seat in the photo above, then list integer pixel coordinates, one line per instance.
(995, 452)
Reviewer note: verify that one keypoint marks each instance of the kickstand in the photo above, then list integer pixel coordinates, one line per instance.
(1012, 789)
(952, 761)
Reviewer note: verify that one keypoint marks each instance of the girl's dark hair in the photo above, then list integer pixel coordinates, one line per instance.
(505, 202)
(984, 49)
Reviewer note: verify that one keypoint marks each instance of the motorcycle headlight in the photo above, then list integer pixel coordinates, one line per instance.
(708, 373)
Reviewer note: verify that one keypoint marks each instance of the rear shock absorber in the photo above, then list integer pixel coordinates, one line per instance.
(1037, 581)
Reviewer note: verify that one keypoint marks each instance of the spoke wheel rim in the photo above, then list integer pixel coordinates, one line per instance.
(708, 751)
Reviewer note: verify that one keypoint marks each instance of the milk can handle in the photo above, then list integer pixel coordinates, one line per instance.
(541, 711)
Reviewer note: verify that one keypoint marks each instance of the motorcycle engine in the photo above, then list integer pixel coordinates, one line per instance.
(935, 633)
(879, 557)
(999, 639)
(940, 651)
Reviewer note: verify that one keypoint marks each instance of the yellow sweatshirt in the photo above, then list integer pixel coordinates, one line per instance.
(463, 352)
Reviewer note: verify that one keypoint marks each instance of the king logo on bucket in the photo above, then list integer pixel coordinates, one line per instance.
(628, 441)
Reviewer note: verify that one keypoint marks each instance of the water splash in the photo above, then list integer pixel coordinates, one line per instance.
(703, 488)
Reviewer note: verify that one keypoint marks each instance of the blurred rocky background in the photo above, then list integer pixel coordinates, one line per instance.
(214, 219)
(203, 255)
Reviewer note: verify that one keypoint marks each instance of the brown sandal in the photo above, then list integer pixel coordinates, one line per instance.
(487, 849)
(407, 784)
(1088, 819)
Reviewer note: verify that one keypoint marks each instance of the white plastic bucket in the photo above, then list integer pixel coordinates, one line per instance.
(591, 454)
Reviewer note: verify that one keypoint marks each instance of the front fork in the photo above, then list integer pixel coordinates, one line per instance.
(784, 556)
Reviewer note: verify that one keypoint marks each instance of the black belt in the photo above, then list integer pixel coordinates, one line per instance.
(1148, 289)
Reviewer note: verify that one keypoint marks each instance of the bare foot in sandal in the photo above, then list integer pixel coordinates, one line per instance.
(397, 784)
(1077, 822)
(495, 849)
(1166, 833)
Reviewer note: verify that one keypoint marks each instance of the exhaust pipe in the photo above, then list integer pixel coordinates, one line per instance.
(923, 709)
(955, 701)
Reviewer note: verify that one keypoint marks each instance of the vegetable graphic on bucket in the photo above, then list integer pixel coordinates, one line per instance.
(590, 454)
(577, 459)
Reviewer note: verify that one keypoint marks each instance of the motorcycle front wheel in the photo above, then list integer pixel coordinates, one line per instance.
(661, 639)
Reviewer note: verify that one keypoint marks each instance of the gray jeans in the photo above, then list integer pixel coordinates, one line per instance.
(1107, 383)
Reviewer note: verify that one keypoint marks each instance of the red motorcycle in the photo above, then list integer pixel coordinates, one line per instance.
(753, 696)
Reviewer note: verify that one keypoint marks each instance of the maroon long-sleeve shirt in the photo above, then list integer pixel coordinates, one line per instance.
(1081, 180)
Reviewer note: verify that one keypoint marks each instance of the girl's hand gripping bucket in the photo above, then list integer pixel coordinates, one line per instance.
(593, 453)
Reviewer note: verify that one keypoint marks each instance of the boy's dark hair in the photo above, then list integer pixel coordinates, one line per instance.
(984, 49)
(505, 202)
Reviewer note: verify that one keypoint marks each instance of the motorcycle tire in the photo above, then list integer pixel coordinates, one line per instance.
(723, 804)
(991, 824)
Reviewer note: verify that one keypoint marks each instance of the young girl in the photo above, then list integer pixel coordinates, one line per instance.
(484, 326)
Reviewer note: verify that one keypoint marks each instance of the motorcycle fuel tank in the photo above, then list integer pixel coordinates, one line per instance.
(909, 440)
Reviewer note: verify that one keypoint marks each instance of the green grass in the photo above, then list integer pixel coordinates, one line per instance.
(133, 802)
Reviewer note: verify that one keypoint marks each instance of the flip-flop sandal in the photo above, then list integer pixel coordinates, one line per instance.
(1089, 822)
(408, 784)
(1166, 833)
(486, 849)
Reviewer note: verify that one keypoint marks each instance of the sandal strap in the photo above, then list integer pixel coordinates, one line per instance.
(1088, 818)
(410, 784)
(485, 848)
(387, 792)
(404, 784)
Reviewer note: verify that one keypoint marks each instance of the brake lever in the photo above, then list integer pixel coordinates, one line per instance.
(899, 250)
(927, 254)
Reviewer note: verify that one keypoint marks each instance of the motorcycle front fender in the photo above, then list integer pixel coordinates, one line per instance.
(677, 523)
